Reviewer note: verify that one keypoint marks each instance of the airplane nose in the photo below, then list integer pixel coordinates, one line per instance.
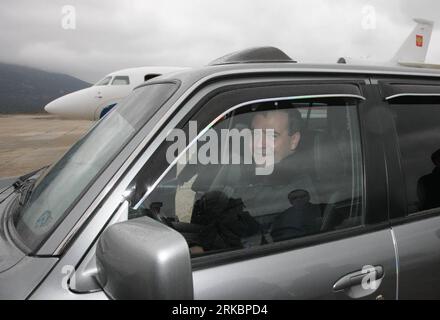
(54, 107)
(75, 105)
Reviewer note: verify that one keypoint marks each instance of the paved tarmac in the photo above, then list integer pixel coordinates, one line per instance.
(29, 142)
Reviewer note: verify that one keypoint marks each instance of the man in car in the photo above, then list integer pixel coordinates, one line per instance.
(259, 209)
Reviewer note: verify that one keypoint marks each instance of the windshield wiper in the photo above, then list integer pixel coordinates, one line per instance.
(22, 185)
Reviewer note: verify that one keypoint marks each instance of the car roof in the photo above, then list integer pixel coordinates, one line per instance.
(271, 60)
(191, 76)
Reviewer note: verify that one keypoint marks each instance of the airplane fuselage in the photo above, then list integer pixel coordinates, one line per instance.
(94, 102)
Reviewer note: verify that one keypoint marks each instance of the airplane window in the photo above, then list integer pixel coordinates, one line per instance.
(104, 81)
(120, 80)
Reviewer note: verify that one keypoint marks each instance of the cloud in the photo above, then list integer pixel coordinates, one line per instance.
(115, 34)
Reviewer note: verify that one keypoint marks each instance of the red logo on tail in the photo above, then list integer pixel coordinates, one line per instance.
(419, 40)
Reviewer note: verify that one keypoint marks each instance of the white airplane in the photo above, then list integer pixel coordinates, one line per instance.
(94, 102)
(413, 51)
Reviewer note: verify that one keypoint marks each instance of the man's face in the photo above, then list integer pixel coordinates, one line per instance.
(277, 141)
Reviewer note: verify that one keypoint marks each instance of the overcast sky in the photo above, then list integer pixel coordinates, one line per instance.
(114, 34)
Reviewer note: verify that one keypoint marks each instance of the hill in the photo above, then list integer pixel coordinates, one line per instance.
(28, 90)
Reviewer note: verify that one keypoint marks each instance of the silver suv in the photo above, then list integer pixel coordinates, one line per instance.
(254, 177)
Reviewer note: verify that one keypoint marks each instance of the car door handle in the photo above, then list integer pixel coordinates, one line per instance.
(355, 278)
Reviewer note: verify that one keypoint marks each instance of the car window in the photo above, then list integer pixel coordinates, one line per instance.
(260, 173)
(120, 80)
(418, 133)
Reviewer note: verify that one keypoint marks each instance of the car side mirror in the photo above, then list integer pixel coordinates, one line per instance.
(144, 259)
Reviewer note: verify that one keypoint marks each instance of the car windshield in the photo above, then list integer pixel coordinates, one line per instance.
(56, 191)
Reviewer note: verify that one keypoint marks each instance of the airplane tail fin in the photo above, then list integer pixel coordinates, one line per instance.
(415, 47)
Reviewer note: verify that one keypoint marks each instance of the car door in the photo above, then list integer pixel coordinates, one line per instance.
(342, 248)
(333, 261)
(414, 107)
